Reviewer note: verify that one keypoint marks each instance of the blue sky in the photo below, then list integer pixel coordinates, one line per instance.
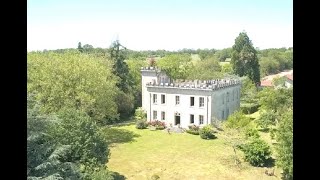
(158, 24)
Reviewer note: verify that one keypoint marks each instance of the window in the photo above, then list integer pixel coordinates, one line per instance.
(163, 115)
(233, 95)
(201, 102)
(191, 118)
(227, 113)
(177, 100)
(200, 119)
(191, 101)
(222, 98)
(222, 116)
(155, 115)
(163, 99)
(227, 96)
(154, 98)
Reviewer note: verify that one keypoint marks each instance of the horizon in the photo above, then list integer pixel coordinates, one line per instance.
(158, 25)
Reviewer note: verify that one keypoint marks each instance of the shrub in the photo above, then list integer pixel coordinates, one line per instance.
(140, 114)
(192, 132)
(256, 152)
(237, 120)
(273, 132)
(252, 132)
(155, 177)
(266, 119)
(249, 108)
(141, 124)
(207, 132)
(159, 125)
(193, 129)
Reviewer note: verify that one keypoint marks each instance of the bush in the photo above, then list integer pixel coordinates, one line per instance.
(155, 177)
(237, 120)
(141, 124)
(159, 125)
(252, 132)
(207, 132)
(192, 132)
(273, 132)
(266, 119)
(140, 114)
(193, 129)
(256, 152)
(249, 108)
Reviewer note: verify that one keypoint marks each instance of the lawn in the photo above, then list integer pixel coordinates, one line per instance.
(139, 154)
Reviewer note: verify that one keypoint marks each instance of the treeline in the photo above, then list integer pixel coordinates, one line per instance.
(272, 61)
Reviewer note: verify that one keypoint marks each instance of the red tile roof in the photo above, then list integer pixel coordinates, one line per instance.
(290, 76)
(266, 83)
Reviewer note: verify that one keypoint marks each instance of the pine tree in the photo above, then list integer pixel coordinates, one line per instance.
(120, 67)
(244, 58)
(80, 48)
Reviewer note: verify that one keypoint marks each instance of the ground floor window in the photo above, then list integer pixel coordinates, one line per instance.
(163, 115)
(200, 119)
(222, 115)
(191, 118)
(155, 115)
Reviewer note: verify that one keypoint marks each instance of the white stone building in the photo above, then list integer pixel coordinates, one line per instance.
(190, 102)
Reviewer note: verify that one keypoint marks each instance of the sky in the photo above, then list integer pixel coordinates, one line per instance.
(158, 24)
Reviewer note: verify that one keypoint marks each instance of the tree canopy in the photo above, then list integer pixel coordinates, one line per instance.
(72, 80)
(177, 66)
(244, 58)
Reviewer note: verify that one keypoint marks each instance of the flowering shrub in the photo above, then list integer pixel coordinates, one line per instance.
(158, 124)
(193, 129)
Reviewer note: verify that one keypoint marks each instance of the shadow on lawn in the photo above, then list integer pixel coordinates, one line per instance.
(270, 163)
(115, 135)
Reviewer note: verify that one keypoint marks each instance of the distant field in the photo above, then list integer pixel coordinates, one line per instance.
(139, 154)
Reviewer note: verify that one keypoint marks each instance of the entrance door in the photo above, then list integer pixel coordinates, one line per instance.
(176, 119)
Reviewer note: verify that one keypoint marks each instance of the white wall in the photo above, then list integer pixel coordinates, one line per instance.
(147, 76)
(220, 104)
(184, 108)
(213, 101)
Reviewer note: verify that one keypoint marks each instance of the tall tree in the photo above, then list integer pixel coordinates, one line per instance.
(125, 98)
(120, 67)
(244, 58)
(80, 47)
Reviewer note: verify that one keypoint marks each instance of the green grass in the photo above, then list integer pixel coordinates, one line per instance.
(223, 63)
(254, 115)
(139, 154)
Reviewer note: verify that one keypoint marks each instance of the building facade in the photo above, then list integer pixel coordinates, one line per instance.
(179, 103)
